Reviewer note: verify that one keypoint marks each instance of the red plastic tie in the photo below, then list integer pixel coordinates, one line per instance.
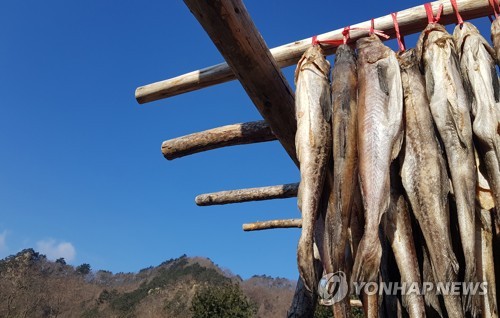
(346, 34)
(494, 6)
(455, 7)
(372, 26)
(430, 13)
(401, 40)
(315, 41)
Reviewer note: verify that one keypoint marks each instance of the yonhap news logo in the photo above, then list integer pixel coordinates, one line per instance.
(333, 288)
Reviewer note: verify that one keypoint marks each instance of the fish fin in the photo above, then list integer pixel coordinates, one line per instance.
(489, 49)
(429, 80)
(382, 78)
(326, 105)
(396, 147)
(299, 67)
(456, 126)
(469, 92)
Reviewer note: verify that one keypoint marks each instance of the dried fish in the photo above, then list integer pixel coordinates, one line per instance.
(425, 179)
(484, 240)
(486, 263)
(398, 230)
(450, 107)
(379, 141)
(477, 61)
(313, 144)
(345, 155)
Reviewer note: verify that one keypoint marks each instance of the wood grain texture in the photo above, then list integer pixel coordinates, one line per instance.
(245, 195)
(233, 32)
(410, 21)
(273, 224)
(230, 135)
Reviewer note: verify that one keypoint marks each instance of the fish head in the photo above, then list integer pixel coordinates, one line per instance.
(408, 59)
(314, 58)
(433, 34)
(345, 53)
(371, 49)
(469, 32)
(495, 28)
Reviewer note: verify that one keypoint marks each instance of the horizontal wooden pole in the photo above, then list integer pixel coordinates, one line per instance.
(273, 224)
(245, 195)
(410, 21)
(230, 135)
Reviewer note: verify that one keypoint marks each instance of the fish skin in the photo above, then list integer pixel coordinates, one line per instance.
(313, 145)
(399, 232)
(424, 177)
(450, 107)
(380, 107)
(477, 61)
(345, 156)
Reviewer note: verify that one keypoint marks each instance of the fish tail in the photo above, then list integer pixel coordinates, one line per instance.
(471, 302)
(367, 262)
(305, 261)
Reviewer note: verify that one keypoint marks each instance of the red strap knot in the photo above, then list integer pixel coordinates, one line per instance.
(430, 13)
(460, 21)
(346, 34)
(401, 40)
(496, 9)
(315, 40)
(372, 30)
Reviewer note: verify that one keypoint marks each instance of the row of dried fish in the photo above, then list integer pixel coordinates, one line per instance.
(397, 155)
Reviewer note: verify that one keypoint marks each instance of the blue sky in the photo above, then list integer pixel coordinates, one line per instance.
(81, 172)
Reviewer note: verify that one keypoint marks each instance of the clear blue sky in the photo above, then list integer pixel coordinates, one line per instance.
(81, 172)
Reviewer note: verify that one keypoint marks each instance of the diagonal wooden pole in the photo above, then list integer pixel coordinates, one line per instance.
(233, 32)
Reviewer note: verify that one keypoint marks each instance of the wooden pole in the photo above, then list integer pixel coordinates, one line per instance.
(245, 195)
(410, 21)
(230, 135)
(273, 224)
(233, 32)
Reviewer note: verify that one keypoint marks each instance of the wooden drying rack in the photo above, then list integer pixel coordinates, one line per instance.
(258, 69)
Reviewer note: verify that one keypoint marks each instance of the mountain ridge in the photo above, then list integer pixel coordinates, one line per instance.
(33, 286)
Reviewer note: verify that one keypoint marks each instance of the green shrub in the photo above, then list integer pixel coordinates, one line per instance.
(225, 301)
